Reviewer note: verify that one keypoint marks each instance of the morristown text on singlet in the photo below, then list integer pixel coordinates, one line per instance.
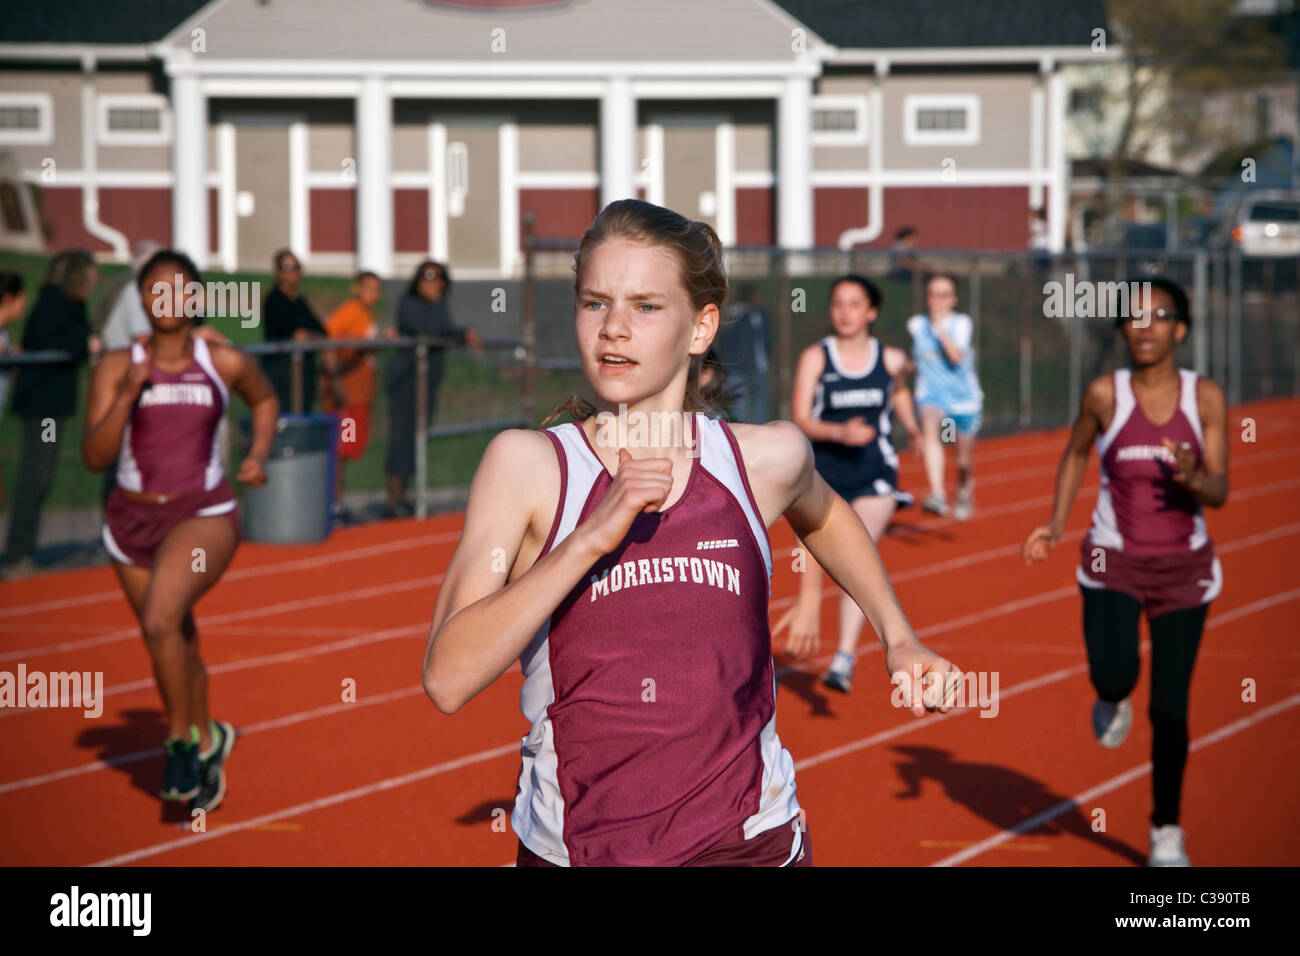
(171, 444)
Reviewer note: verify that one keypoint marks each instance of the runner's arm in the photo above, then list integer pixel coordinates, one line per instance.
(481, 621)
(1209, 483)
(810, 367)
(108, 408)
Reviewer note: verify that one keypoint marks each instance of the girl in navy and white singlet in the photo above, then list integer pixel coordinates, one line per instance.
(846, 387)
(171, 524)
(635, 581)
(1161, 433)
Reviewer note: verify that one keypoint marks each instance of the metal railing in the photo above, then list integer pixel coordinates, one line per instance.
(484, 397)
(1034, 368)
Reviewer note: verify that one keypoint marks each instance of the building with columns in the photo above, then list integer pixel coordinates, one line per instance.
(372, 134)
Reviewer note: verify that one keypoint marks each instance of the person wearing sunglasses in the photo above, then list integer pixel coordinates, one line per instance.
(1161, 434)
(288, 317)
(422, 311)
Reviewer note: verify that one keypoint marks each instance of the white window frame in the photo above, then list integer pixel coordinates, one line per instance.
(111, 137)
(44, 133)
(915, 102)
(837, 137)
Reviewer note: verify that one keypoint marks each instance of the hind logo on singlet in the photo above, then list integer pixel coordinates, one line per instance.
(631, 574)
(717, 543)
(177, 393)
(858, 397)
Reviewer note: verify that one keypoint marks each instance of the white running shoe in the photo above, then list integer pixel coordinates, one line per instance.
(1167, 847)
(1110, 722)
(936, 504)
(964, 507)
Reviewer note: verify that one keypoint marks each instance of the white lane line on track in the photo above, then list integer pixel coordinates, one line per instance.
(254, 571)
(133, 633)
(1114, 783)
(311, 805)
(391, 782)
(924, 570)
(315, 650)
(244, 731)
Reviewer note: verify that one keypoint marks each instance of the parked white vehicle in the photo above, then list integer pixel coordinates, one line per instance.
(1267, 223)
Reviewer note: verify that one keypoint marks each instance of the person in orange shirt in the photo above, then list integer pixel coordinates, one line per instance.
(349, 383)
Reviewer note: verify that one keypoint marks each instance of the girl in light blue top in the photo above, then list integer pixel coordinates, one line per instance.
(948, 393)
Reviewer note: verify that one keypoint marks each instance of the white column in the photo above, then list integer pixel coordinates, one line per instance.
(189, 168)
(1058, 199)
(794, 197)
(617, 141)
(1037, 131)
(374, 162)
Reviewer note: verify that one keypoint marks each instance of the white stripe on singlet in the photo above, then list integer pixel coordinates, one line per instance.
(215, 473)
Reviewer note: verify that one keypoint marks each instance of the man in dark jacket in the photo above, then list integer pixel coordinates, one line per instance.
(744, 347)
(288, 317)
(45, 396)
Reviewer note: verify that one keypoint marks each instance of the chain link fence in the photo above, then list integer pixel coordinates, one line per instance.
(1033, 363)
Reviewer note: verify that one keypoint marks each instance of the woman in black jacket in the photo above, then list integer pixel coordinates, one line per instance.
(287, 316)
(46, 395)
(422, 311)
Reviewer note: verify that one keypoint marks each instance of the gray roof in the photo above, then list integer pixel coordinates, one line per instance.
(597, 30)
(634, 31)
(914, 24)
(93, 21)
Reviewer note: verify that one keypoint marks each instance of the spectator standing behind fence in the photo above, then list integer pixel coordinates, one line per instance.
(745, 346)
(288, 317)
(349, 382)
(421, 312)
(1039, 244)
(13, 300)
(901, 261)
(119, 313)
(45, 396)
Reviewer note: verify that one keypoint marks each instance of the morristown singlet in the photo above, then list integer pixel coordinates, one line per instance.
(1148, 532)
(170, 444)
(855, 470)
(650, 691)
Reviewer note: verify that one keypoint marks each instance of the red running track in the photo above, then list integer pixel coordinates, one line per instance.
(389, 780)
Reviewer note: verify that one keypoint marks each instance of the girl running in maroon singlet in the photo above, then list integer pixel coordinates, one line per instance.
(1161, 433)
(625, 561)
(171, 524)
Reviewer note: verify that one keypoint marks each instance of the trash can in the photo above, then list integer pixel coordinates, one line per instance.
(294, 504)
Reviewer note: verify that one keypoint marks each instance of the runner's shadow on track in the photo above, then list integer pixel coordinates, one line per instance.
(1003, 797)
(483, 812)
(809, 689)
(916, 534)
(136, 732)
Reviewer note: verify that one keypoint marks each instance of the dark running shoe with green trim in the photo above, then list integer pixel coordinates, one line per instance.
(212, 768)
(181, 768)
